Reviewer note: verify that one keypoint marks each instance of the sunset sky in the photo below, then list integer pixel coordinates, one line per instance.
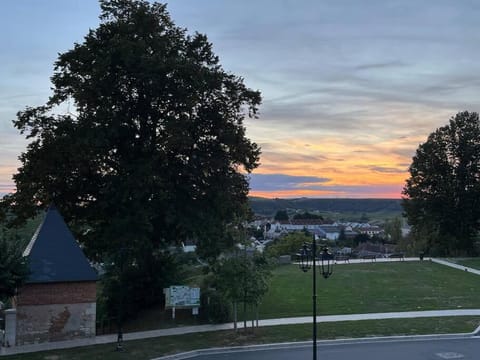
(350, 88)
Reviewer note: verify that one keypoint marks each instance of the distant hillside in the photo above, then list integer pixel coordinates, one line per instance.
(268, 207)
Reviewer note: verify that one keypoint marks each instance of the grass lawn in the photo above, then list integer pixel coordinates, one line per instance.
(371, 287)
(151, 348)
(470, 262)
(353, 288)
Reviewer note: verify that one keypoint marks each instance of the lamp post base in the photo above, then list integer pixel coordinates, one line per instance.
(119, 347)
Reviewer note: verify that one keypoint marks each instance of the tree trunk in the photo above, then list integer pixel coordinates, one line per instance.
(235, 319)
(245, 316)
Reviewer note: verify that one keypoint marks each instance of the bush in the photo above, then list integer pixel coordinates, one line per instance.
(214, 307)
(289, 244)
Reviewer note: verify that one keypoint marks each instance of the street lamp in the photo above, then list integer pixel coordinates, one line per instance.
(120, 315)
(307, 258)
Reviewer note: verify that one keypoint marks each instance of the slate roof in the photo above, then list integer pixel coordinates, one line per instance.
(54, 255)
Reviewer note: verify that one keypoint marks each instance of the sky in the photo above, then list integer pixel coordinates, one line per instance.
(350, 88)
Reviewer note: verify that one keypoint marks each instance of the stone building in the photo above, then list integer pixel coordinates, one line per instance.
(58, 301)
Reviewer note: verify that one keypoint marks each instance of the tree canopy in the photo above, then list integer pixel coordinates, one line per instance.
(393, 230)
(243, 278)
(13, 266)
(442, 196)
(290, 244)
(307, 216)
(155, 150)
(281, 215)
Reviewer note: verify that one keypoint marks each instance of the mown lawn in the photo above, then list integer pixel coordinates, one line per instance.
(353, 288)
(371, 287)
(470, 262)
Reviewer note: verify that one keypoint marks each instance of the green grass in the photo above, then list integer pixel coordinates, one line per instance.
(353, 288)
(469, 262)
(371, 287)
(150, 348)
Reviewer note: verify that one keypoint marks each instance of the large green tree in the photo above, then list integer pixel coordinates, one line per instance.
(442, 196)
(155, 151)
(152, 153)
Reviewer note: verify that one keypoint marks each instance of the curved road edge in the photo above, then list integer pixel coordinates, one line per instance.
(305, 344)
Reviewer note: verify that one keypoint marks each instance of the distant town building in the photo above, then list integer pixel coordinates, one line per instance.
(370, 230)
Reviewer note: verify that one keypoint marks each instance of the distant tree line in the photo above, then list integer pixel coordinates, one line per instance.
(269, 207)
(282, 215)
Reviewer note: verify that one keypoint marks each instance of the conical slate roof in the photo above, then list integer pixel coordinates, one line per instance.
(54, 255)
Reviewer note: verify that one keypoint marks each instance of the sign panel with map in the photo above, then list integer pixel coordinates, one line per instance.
(182, 297)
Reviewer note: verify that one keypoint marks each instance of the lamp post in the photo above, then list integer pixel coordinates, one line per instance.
(307, 259)
(121, 269)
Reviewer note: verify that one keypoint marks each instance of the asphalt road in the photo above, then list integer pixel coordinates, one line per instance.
(438, 349)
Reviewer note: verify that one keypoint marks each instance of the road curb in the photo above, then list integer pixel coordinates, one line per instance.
(302, 344)
(105, 339)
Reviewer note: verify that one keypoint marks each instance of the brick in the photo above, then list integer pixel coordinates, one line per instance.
(57, 293)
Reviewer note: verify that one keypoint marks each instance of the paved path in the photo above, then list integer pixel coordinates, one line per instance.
(378, 259)
(105, 339)
(456, 266)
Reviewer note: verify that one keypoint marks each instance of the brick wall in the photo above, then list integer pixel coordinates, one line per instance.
(57, 293)
(55, 311)
(54, 322)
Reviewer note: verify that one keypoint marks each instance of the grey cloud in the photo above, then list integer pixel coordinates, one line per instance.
(308, 115)
(271, 182)
(387, 170)
(388, 65)
(6, 187)
(357, 189)
(289, 158)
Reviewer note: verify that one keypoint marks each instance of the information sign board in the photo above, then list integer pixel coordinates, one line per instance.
(182, 297)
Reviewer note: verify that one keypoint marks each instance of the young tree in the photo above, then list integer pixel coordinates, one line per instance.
(227, 278)
(156, 150)
(342, 238)
(242, 278)
(442, 195)
(393, 230)
(13, 266)
(361, 238)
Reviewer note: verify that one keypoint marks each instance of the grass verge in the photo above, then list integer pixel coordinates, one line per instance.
(156, 347)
